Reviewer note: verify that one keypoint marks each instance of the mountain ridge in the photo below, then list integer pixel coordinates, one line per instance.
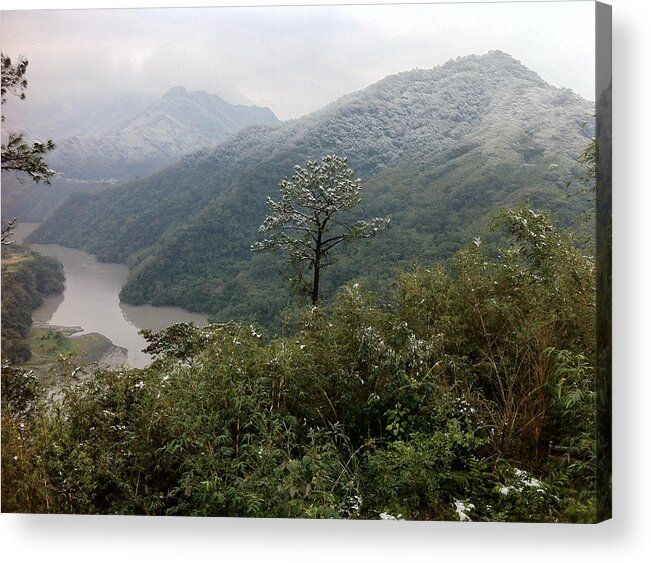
(178, 123)
(437, 150)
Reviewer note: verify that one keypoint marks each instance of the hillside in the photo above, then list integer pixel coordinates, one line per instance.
(27, 278)
(178, 123)
(437, 150)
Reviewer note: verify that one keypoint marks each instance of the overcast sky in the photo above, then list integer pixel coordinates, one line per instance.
(291, 59)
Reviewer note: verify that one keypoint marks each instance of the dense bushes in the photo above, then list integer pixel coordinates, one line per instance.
(469, 397)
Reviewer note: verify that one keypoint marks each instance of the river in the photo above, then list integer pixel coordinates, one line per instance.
(91, 301)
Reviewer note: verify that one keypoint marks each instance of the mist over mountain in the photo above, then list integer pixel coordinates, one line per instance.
(178, 123)
(437, 151)
(73, 118)
(121, 140)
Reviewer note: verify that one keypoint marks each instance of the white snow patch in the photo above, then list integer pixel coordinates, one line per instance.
(461, 508)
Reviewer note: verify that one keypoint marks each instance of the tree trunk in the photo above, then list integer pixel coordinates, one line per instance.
(317, 269)
(315, 284)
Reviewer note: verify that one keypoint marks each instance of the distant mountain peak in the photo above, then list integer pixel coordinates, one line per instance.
(495, 60)
(498, 54)
(178, 123)
(175, 92)
(494, 55)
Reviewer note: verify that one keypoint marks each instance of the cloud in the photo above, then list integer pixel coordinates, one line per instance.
(292, 59)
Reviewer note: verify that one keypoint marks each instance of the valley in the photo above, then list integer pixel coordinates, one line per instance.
(437, 151)
(90, 305)
(380, 307)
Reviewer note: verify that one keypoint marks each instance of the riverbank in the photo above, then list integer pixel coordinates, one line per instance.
(92, 300)
(52, 343)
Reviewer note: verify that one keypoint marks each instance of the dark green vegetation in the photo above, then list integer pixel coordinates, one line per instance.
(443, 376)
(436, 151)
(468, 397)
(27, 277)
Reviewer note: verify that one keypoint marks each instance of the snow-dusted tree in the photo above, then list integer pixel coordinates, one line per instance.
(304, 222)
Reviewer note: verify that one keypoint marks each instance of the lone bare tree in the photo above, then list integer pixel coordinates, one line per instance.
(304, 221)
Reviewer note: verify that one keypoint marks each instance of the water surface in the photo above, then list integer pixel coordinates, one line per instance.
(91, 300)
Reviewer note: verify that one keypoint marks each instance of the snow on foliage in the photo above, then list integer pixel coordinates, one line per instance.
(462, 508)
(433, 147)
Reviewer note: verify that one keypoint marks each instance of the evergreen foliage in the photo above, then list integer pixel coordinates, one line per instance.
(17, 154)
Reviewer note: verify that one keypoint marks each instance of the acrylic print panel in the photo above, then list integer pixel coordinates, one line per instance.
(319, 262)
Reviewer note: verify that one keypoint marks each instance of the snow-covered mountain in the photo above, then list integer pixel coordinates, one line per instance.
(178, 123)
(437, 151)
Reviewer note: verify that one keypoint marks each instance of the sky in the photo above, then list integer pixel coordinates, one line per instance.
(292, 59)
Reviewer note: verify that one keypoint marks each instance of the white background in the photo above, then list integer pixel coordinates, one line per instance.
(625, 538)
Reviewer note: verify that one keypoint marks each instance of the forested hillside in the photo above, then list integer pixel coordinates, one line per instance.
(444, 370)
(36, 203)
(437, 150)
(27, 277)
